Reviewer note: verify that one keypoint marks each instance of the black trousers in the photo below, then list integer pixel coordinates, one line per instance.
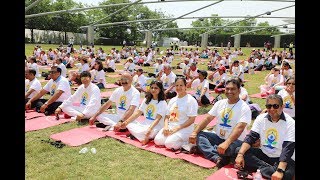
(255, 159)
(51, 107)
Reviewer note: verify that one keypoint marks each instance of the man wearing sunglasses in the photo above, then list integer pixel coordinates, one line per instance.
(126, 99)
(276, 132)
(59, 89)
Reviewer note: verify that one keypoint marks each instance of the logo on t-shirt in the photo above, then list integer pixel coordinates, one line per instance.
(198, 90)
(271, 138)
(150, 111)
(288, 102)
(53, 89)
(166, 82)
(226, 116)
(174, 114)
(122, 102)
(84, 98)
(27, 87)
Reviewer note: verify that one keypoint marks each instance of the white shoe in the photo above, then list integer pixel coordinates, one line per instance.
(107, 128)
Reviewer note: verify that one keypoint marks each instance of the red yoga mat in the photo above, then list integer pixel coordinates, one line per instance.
(32, 114)
(79, 136)
(83, 135)
(43, 122)
(226, 173)
(110, 86)
(105, 94)
(195, 159)
(258, 95)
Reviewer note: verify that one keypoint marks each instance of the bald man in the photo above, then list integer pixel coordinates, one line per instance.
(126, 99)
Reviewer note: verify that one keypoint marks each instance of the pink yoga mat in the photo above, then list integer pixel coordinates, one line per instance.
(79, 136)
(226, 173)
(110, 86)
(43, 122)
(113, 75)
(195, 159)
(83, 135)
(31, 114)
(199, 118)
(258, 95)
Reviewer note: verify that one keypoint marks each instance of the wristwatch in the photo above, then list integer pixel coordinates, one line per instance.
(280, 170)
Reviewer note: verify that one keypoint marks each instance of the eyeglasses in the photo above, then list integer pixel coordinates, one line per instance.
(52, 72)
(291, 84)
(275, 106)
(124, 79)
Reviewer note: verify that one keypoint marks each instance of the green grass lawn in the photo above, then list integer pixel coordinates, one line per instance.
(113, 160)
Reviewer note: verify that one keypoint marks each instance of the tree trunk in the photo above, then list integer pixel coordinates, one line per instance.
(65, 37)
(32, 39)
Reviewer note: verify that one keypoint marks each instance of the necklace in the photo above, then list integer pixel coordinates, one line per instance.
(227, 114)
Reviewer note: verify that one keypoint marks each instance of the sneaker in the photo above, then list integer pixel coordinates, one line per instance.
(107, 128)
(221, 162)
(46, 113)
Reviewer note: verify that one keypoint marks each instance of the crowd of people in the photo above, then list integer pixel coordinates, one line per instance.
(168, 109)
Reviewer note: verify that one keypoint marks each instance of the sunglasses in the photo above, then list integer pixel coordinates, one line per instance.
(275, 106)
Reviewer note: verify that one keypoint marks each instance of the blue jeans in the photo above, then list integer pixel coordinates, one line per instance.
(208, 143)
(100, 86)
(255, 159)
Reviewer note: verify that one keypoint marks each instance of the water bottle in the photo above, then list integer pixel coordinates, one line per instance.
(93, 150)
(257, 175)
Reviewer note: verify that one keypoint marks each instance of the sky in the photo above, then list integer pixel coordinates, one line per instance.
(224, 8)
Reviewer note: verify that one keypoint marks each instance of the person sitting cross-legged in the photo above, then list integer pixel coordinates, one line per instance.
(179, 121)
(126, 99)
(84, 102)
(153, 108)
(233, 115)
(275, 131)
(59, 89)
(32, 86)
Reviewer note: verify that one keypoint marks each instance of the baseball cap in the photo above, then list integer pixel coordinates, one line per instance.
(222, 68)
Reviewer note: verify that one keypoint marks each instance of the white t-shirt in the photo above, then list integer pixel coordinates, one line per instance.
(288, 103)
(217, 78)
(142, 81)
(157, 68)
(34, 84)
(287, 73)
(179, 110)
(244, 92)
(59, 84)
(124, 99)
(63, 69)
(100, 75)
(36, 68)
(151, 110)
(237, 70)
(112, 64)
(198, 86)
(272, 135)
(274, 81)
(89, 97)
(229, 115)
(168, 80)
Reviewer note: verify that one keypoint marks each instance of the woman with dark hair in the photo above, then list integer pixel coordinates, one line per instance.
(99, 75)
(288, 96)
(154, 108)
(179, 121)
